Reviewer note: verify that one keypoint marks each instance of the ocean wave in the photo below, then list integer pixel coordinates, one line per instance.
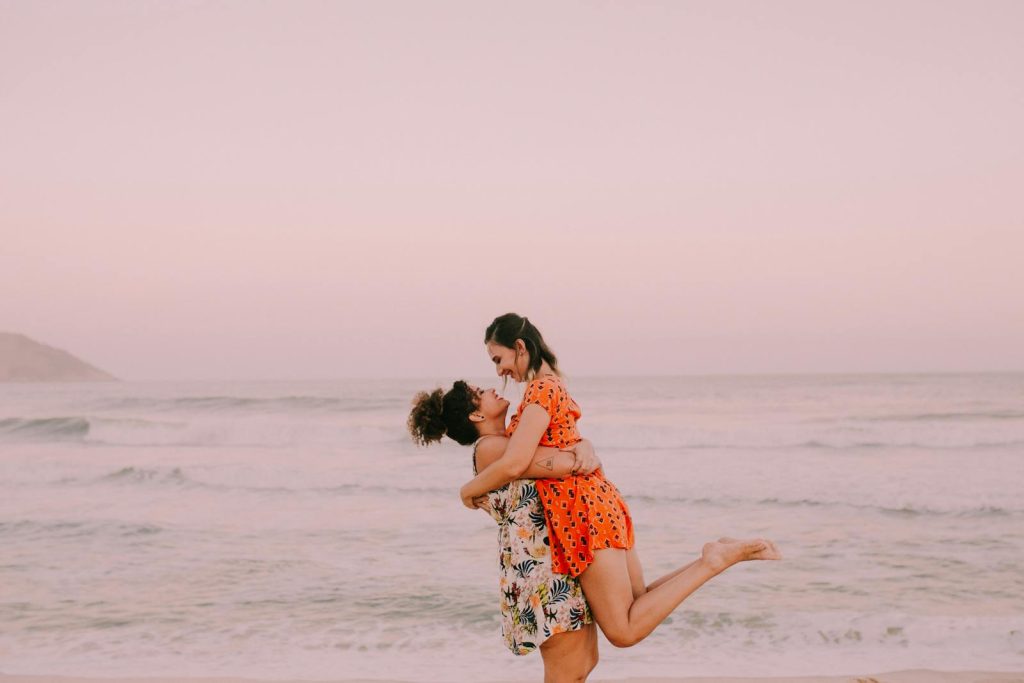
(909, 510)
(850, 445)
(177, 478)
(44, 429)
(65, 529)
(142, 474)
(903, 510)
(246, 404)
(314, 639)
(82, 429)
(159, 477)
(811, 444)
(199, 432)
(944, 417)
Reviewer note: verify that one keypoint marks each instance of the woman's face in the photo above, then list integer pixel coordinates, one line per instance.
(489, 404)
(508, 362)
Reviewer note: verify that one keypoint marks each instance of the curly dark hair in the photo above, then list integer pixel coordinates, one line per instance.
(437, 413)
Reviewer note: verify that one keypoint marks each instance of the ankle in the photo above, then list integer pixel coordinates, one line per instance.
(712, 566)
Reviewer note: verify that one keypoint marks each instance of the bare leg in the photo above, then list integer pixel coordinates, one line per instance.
(636, 571)
(570, 657)
(657, 582)
(625, 619)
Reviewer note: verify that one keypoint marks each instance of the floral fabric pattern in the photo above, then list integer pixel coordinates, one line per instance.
(536, 603)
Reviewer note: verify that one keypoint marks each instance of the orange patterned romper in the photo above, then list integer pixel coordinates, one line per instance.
(586, 512)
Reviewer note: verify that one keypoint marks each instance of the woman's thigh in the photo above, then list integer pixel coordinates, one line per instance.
(606, 584)
(569, 657)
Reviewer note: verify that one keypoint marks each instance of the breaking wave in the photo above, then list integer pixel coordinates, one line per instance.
(44, 429)
(245, 404)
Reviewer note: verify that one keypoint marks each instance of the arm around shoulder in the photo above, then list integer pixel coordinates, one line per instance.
(517, 456)
(547, 463)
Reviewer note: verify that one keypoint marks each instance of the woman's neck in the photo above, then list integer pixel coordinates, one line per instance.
(545, 370)
(494, 426)
(491, 430)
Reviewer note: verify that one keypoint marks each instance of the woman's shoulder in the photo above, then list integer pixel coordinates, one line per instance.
(546, 383)
(548, 392)
(488, 449)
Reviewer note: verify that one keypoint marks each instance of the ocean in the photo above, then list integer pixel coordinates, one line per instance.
(292, 529)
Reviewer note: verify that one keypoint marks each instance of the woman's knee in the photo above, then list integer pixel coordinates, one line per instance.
(618, 631)
(623, 640)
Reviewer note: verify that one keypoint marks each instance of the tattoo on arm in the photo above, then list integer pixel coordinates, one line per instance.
(548, 464)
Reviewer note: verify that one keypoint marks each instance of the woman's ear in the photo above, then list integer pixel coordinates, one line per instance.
(520, 347)
(476, 416)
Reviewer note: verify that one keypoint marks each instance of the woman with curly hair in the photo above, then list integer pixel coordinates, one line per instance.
(540, 608)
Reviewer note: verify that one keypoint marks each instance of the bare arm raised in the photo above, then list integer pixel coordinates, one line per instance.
(517, 457)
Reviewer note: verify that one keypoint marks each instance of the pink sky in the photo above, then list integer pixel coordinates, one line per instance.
(321, 190)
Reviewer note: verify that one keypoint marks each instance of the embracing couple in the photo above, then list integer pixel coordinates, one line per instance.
(565, 535)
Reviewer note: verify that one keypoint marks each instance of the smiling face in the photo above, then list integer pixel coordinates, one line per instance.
(508, 362)
(489, 404)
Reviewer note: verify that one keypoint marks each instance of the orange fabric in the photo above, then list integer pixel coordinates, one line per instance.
(586, 512)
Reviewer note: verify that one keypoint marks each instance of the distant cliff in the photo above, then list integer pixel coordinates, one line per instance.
(25, 360)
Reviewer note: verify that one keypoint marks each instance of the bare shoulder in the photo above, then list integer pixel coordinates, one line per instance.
(490, 450)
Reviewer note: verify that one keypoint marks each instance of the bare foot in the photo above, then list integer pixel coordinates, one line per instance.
(770, 553)
(722, 554)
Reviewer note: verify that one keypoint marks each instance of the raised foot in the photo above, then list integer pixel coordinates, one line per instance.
(725, 552)
(771, 552)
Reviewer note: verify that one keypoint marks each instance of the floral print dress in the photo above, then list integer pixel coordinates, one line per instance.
(536, 603)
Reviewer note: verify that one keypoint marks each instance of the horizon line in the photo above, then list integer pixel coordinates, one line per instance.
(831, 373)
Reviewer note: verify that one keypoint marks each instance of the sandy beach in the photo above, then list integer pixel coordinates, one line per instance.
(909, 676)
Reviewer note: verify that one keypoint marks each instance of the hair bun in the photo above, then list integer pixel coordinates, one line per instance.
(426, 423)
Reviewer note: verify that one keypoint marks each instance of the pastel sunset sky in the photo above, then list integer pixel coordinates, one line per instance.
(273, 190)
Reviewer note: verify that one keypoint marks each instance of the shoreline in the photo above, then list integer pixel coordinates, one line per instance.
(902, 676)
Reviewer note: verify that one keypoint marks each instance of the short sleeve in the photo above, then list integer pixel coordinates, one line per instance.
(545, 393)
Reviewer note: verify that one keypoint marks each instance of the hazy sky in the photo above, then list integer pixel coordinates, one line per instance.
(328, 189)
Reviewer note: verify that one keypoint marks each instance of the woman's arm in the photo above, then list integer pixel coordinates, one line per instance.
(516, 460)
(547, 463)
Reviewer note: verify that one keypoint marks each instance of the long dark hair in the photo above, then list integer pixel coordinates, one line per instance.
(506, 329)
(437, 413)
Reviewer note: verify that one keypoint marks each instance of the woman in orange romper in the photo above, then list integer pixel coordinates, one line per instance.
(589, 524)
